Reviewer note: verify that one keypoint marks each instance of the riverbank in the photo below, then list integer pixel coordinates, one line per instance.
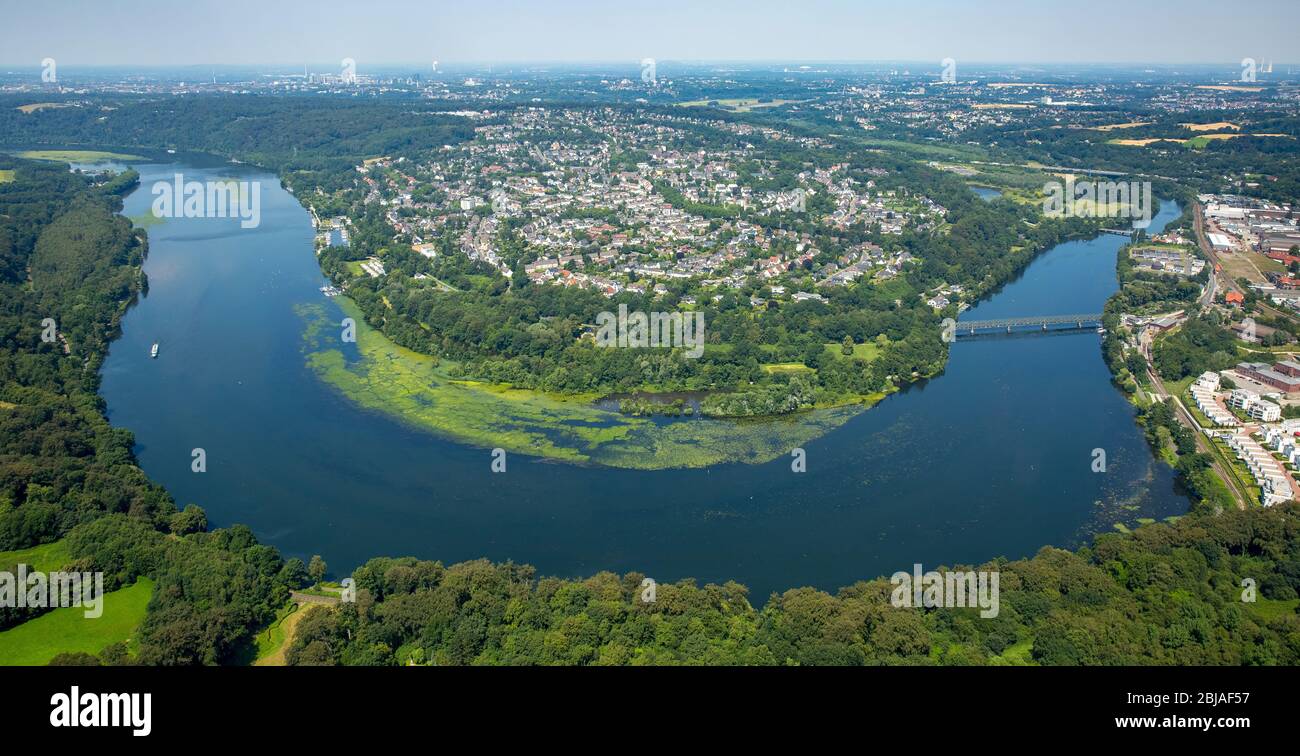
(1172, 433)
(417, 390)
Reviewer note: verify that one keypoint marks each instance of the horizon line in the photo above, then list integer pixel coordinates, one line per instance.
(681, 61)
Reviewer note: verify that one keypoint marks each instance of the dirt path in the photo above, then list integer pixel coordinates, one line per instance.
(288, 625)
(309, 598)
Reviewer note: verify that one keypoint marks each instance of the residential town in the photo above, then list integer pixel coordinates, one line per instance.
(612, 202)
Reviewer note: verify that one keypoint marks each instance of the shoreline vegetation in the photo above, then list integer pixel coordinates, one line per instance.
(417, 390)
(77, 156)
(1170, 441)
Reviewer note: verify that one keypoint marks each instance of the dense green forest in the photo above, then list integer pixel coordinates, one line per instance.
(1165, 594)
(70, 264)
(1201, 344)
(284, 133)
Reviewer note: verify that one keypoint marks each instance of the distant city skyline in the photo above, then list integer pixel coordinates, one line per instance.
(384, 32)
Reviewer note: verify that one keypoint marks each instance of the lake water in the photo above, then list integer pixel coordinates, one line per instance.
(994, 457)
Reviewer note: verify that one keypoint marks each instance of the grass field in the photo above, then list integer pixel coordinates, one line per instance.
(1195, 143)
(6, 176)
(1249, 265)
(1116, 126)
(76, 156)
(43, 558)
(1142, 142)
(868, 351)
(1219, 126)
(36, 641)
(1271, 609)
(786, 367)
(953, 152)
(35, 106)
(145, 220)
(1017, 655)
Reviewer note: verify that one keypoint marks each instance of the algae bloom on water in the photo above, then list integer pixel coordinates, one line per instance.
(415, 389)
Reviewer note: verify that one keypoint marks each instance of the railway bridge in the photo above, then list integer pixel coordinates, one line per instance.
(1038, 322)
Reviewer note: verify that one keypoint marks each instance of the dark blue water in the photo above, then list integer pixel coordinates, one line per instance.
(991, 458)
(986, 193)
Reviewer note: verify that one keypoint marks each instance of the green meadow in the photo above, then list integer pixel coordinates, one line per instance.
(146, 220)
(868, 351)
(37, 641)
(1270, 610)
(76, 156)
(417, 390)
(43, 558)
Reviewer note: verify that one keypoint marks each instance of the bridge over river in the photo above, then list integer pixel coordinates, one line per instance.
(1039, 322)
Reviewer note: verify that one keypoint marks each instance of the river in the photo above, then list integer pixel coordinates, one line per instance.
(993, 457)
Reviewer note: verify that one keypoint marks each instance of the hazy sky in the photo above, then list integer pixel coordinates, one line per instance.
(243, 32)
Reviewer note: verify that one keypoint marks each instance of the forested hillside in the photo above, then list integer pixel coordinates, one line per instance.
(70, 265)
(1165, 594)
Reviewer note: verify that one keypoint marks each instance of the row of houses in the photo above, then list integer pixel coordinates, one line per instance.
(1203, 391)
(1268, 473)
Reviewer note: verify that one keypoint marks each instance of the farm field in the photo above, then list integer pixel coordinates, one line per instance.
(1117, 126)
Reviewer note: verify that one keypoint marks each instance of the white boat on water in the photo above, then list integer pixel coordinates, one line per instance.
(154, 351)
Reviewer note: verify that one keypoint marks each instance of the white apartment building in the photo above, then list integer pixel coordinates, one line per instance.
(1265, 411)
(1242, 399)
